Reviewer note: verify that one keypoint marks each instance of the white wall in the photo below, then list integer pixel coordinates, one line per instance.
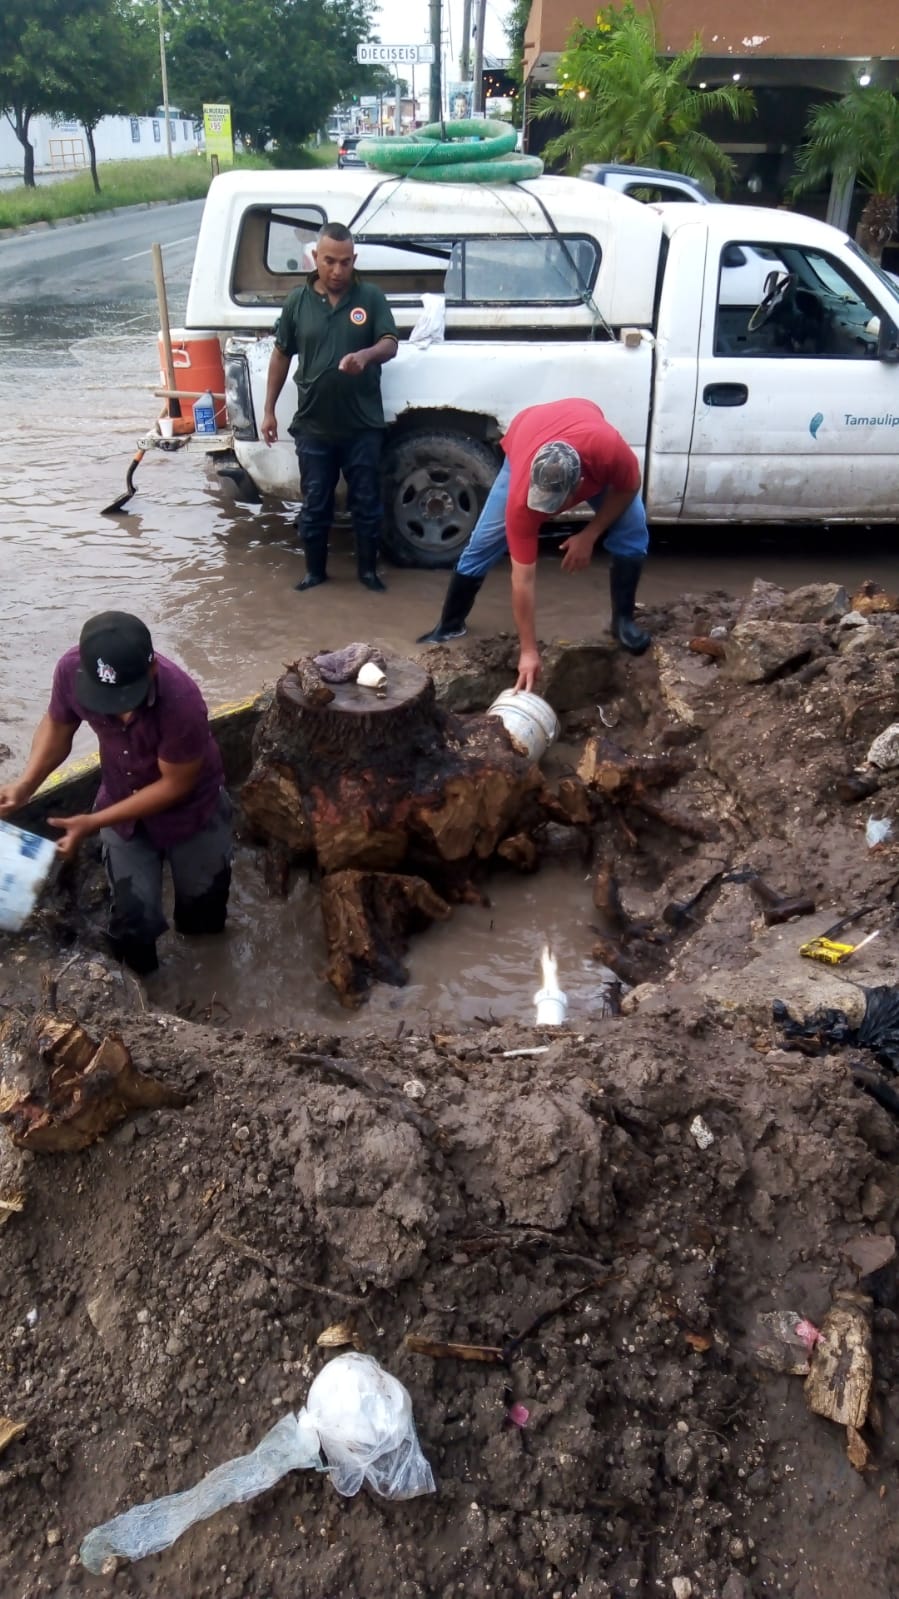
(62, 146)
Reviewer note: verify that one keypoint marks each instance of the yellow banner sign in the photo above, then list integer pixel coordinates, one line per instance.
(217, 129)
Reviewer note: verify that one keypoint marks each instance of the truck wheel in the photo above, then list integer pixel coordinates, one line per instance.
(435, 485)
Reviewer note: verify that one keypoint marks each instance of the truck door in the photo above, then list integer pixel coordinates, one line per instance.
(797, 417)
(674, 387)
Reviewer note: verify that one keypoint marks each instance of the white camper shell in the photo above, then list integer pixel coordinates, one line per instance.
(749, 357)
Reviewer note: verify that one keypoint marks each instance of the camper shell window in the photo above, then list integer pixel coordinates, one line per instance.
(274, 256)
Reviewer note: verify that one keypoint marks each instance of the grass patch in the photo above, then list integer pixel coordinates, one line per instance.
(185, 177)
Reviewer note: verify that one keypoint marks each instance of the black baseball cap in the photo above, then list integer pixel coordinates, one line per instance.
(116, 656)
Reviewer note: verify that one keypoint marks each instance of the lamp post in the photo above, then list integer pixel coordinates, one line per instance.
(165, 81)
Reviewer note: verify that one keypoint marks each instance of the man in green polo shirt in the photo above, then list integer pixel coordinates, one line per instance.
(341, 331)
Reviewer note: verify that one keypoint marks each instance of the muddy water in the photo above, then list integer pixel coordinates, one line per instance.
(483, 965)
(216, 583)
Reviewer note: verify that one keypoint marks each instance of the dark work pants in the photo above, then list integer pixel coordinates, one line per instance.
(201, 873)
(358, 457)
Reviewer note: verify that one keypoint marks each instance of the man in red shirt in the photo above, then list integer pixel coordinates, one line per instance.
(556, 456)
(162, 796)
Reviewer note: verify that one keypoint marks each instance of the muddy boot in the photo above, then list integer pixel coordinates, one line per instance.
(624, 575)
(316, 553)
(460, 597)
(367, 565)
(139, 954)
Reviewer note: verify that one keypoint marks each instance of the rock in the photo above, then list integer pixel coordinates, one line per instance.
(758, 651)
(815, 602)
(870, 1252)
(763, 601)
(861, 640)
(734, 1588)
(54, 1537)
(884, 752)
(851, 620)
(681, 1587)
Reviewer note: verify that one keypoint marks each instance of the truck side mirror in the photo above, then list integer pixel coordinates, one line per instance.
(733, 256)
(888, 342)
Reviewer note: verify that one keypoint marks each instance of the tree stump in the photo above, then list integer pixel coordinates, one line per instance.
(361, 781)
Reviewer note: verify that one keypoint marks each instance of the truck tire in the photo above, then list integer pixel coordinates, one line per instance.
(435, 485)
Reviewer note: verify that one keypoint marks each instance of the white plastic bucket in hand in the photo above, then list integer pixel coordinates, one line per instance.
(531, 722)
(25, 862)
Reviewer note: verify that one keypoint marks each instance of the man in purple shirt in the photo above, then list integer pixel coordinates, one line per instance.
(161, 795)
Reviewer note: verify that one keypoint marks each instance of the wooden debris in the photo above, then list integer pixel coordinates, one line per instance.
(64, 1090)
(520, 851)
(871, 599)
(609, 953)
(839, 1382)
(574, 801)
(256, 1255)
(488, 1353)
(273, 805)
(9, 1432)
(10, 1204)
(368, 917)
(340, 1335)
(857, 1450)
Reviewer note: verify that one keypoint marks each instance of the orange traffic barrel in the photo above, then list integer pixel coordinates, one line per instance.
(197, 360)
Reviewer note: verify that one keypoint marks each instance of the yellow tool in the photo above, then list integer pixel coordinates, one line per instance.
(824, 947)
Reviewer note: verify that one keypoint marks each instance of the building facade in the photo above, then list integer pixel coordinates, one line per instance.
(792, 55)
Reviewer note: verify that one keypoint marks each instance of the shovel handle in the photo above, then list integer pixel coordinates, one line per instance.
(165, 330)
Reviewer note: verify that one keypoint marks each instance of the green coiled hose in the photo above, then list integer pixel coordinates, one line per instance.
(444, 153)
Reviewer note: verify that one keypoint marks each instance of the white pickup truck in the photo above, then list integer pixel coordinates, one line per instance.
(783, 406)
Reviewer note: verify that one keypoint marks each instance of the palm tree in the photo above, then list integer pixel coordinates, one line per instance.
(623, 102)
(858, 134)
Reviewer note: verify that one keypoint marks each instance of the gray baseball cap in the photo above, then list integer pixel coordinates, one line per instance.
(555, 474)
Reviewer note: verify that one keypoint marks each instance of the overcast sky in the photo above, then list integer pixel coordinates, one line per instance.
(406, 22)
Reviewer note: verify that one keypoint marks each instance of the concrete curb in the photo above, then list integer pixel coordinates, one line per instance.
(92, 216)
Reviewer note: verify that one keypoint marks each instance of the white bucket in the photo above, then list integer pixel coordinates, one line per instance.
(25, 862)
(532, 723)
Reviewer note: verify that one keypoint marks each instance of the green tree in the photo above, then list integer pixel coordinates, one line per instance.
(28, 30)
(281, 64)
(857, 135)
(103, 64)
(621, 101)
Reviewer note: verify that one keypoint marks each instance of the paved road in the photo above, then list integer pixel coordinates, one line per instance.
(106, 257)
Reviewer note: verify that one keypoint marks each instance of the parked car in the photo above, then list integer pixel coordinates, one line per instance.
(649, 184)
(346, 151)
(781, 408)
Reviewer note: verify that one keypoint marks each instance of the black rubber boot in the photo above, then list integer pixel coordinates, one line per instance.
(139, 954)
(624, 575)
(316, 553)
(367, 565)
(460, 597)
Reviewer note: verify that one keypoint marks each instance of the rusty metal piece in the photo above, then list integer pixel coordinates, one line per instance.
(713, 647)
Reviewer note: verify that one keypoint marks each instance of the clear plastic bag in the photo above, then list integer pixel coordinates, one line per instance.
(356, 1414)
(431, 325)
(363, 1417)
(291, 1445)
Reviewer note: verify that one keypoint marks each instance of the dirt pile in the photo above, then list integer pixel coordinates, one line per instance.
(164, 1289)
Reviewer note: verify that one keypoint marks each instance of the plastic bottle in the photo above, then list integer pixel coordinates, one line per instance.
(204, 414)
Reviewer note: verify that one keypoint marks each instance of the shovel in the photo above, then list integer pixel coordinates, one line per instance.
(174, 406)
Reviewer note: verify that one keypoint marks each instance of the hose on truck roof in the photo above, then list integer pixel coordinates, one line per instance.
(468, 151)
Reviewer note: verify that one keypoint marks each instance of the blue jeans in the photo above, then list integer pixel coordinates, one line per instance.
(358, 457)
(488, 544)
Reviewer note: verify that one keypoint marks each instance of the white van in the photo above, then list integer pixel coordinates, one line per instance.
(781, 406)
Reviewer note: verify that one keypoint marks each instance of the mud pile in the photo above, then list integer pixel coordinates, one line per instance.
(163, 1290)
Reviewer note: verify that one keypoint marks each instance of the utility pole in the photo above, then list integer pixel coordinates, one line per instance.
(477, 71)
(165, 81)
(435, 110)
(465, 52)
